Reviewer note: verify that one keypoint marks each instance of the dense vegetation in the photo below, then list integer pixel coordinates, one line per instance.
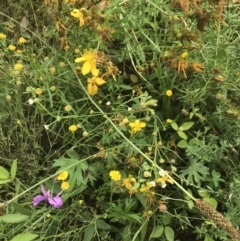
(119, 120)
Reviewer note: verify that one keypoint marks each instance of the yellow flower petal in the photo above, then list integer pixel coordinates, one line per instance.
(94, 70)
(86, 68)
(62, 176)
(99, 81)
(75, 13)
(142, 124)
(81, 20)
(81, 59)
(92, 89)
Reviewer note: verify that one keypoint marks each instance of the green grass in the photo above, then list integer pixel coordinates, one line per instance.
(166, 99)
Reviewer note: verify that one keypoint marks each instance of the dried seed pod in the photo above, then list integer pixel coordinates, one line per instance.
(209, 211)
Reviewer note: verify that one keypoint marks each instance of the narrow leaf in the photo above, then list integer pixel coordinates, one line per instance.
(19, 208)
(89, 233)
(101, 224)
(143, 232)
(14, 169)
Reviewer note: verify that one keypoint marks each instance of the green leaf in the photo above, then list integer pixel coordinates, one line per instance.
(182, 135)
(14, 169)
(19, 208)
(25, 237)
(212, 201)
(174, 126)
(13, 218)
(194, 142)
(73, 155)
(143, 231)
(166, 218)
(203, 193)
(89, 232)
(126, 233)
(186, 196)
(186, 126)
(182, 144)
(4, 174)
(157, 231)
(195, 172)
(5, 181)
(191, 204)
(101, 224)
(207, 238)
(169, 233)
(216, 178)
(133, 78)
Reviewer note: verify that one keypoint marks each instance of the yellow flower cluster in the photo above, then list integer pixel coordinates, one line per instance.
(89, 60)
(163, 179)
(62, 177)
(76, 13)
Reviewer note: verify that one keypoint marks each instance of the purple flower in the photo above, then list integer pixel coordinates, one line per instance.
(47, 196)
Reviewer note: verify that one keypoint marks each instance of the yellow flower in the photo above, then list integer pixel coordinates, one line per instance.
(48, 215)
(163, 179)
(19, 51)
(2, 36)
(53, 88)
(76, 13)
(52, 70)
(115, 175)
(38, 91)
(22, 40)
(169, 121)
(197, 67)
(168, 93)
(62, 176)
(85, 134)
(80, 201)
(89, 58)
(18, 66)
(137, 125)
(8, 97)
(73, 128)
(68, 108)
(65, 185)
(184, 55)
(11, 47)
(93, 83)
(18, 122)
(128, 182)
(62, 64)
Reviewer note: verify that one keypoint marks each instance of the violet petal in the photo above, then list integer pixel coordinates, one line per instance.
(56, 202)
(46, 193)
(37, 199)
